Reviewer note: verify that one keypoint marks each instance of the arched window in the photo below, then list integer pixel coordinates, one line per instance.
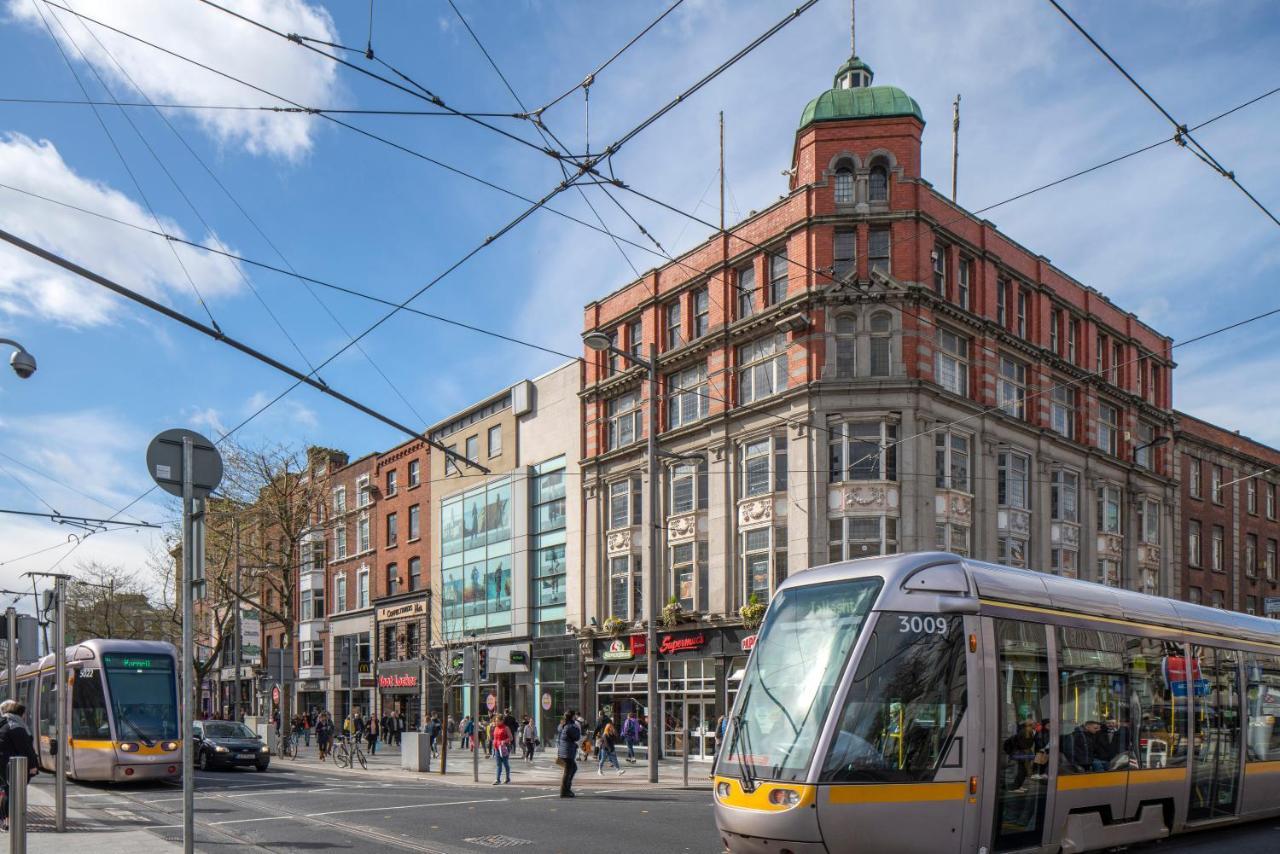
(846, 345)
(844, 185)
(881, 344)
(878, 185)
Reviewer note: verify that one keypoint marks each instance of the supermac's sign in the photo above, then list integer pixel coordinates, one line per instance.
(684, 643)
(408, 609)
(749, 643)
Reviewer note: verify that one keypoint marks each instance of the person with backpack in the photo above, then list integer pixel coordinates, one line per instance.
(467, 729)
(631, 735)
(607, 747)
(433, 731)
(529, 738)
(502, 741)
(324, 735)
(567, 737)
(15, 740)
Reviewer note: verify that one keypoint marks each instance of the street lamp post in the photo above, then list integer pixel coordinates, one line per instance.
(600, 342)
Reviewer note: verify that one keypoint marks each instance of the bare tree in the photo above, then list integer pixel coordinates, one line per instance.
(109, 601)
(445, 652)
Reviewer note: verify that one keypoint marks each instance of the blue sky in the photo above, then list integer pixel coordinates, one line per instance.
(1160, 234)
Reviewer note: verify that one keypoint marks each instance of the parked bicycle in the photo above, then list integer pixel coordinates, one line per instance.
(290, 746)
(348, 752)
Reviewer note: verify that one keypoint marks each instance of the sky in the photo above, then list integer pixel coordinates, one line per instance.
(1161, 234)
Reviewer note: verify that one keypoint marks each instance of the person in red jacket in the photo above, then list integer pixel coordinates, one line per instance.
(502, 741)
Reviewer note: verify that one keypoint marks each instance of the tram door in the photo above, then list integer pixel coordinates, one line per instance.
(1021, 707)
(1215, 763)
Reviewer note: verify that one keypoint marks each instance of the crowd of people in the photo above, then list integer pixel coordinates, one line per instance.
(1091, 746)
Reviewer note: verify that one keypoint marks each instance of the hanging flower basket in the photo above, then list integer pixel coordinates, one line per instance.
(614, 626)
(752, 613)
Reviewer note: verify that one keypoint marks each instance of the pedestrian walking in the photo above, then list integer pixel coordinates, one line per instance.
(308, 723)
(510, 720)
(15, 740)
(398, 723)
(607, 748)
(433, 731)
(502, 741)
(371, 734)
(529, 738)
(488, 736)
(567, 737)
(631, 735)
(468, 733)
(324, 735)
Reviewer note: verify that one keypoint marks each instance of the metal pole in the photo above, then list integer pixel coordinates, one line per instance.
(684, 760)
(188, 668)
(651, 571)
(18, 805)
(955, 146)
(235, 712)
(60, 674)
(722, 171)
(11, 619)
(476, 728)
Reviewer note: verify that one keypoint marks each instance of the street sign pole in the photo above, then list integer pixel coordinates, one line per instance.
(11, 624)
(476, 727)
(188, 668)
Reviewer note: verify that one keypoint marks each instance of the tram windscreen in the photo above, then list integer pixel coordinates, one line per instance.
(142, 695)
(786, 691)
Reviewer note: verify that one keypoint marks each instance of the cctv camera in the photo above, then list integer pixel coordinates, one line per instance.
(23, 363)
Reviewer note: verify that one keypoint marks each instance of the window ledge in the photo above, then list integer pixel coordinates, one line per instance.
(413, 486)
(411, 540)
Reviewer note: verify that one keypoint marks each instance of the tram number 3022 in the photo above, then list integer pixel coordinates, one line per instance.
(922, 625)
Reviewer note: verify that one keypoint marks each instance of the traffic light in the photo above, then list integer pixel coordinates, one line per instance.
(483, 662)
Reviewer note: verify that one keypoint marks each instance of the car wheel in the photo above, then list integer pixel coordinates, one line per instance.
(202, 761)
(262, 766)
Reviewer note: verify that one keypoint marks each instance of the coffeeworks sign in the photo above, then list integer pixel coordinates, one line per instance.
(397, 612)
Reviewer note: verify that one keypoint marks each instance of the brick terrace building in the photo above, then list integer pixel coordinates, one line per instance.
(1227, 517)
(401, 597)
(865, 368)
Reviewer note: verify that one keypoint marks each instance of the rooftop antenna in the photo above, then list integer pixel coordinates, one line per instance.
(853, 27)
(955, 145)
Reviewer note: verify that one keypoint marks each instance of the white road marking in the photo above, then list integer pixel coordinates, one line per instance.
(408, 807)
(537, 797)
(247, 820)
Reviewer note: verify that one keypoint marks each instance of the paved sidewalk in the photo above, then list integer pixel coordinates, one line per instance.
(85, 832)
(541, 772)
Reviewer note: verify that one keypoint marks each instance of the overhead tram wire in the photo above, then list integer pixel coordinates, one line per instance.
(1182, 133)
(80, 102)
(111, 138)
(217, 335)
(52, 479)
(243, 212)
(168, 174)
(420, 91)
(20, 483)
(545, 133)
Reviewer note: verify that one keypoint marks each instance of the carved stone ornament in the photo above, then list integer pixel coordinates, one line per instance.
(1149, 555)
(1071, 535)
(755, 512)
(1019, 522)
(619, 542)
(1110, 545)
(681, 528)
(865, 498)
(954, 506)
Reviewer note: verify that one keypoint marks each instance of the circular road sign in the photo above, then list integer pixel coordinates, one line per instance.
(491, 701)
(164, 463)
(546, 702)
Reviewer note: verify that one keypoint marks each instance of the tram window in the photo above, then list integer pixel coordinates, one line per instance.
(1026, 734)
(907, 697)
(88, 708)
(1263, 672)
(1157, 705)
(47, 706)
(1095, 726)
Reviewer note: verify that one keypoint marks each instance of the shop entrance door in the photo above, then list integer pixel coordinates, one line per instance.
(693, 717)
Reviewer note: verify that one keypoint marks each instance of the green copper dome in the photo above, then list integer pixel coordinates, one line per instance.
(870, 102)
(853, 97)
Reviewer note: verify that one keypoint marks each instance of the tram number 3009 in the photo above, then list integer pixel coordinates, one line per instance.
(922, 625)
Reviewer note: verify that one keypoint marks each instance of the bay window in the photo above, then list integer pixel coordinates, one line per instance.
(764, 466)
(951, 461)
(862, 536)
(1108, 509)
(762, 368)
(689, 575)
(1064, 562)
(1012, 480)
(688, 486)
(764, 561)
(950, 537)
(626, 504)
(1149, 521)
(1064, 496)
(863, 451)
(626, 597)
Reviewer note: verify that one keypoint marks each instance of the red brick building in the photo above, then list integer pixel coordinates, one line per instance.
(1229, 532)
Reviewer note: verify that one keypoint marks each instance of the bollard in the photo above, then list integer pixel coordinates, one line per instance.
(684, 760)
(18, 805)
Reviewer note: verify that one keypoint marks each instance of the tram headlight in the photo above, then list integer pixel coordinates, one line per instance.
(170, 745)
(784, 797)
(129, 746)
(723, 790)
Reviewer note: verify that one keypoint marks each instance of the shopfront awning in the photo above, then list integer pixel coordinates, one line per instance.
(736, 676)
(623, 679)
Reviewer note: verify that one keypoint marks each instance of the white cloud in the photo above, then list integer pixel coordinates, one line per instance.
(32, 287)
(288, 409)
(220, 41)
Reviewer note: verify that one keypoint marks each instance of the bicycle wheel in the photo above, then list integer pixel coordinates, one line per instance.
(342, 759)
(360, 756)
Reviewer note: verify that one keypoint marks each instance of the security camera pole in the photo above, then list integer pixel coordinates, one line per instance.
(600, 342)
(23, 363)
(186, 464)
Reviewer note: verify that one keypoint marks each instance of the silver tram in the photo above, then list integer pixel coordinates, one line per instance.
(930, 703)
(123, 711)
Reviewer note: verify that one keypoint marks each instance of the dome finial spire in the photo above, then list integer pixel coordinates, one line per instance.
(853, 27)
(854, 74)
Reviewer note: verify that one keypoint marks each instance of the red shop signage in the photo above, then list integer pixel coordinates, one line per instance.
(404, 681)
(686, 643)
(748, 643)
(639, 645)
